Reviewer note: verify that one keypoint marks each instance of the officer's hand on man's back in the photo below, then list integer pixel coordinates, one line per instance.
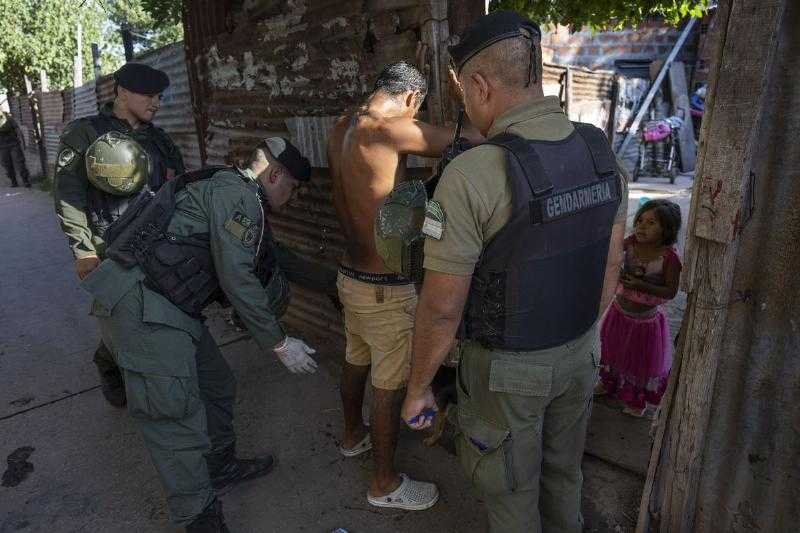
(296, 356)
(85, 265)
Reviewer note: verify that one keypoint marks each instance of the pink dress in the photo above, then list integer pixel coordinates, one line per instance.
(636, 348)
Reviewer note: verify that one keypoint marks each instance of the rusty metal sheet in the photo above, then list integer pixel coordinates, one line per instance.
(175, 115)
(51, 106)
(84, 102)
(269, 67)
(105, 90)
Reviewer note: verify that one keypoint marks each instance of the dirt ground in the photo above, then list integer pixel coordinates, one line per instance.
(76, 464)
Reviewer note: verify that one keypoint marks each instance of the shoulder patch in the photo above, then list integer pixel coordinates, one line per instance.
(65, 158)
(435, 220)
(242, 227)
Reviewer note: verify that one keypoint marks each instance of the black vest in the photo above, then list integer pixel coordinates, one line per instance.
(539, 280)
(104, 208)
(178, 267)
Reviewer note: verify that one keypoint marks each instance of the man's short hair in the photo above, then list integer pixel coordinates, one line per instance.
(507, 61)
(398, 78)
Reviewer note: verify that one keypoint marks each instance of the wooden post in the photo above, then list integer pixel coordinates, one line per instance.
(127, 41)
(38, 124)
(733, 109)
(77, 70)
(679, 93)
(96, 60)
(44, 83)
(435, 33)
(568, 91)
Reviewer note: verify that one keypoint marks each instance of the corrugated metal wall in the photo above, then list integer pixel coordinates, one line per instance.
(84, 101)
(52, 109)
(175, 115)
(105, 90)
(278, 68)
(289, 68)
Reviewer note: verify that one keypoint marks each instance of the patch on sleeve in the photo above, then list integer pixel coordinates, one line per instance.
(434, 224)
(242, 227)
(65, 158)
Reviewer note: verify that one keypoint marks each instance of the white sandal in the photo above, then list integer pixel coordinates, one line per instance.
(410, 496)
(363, 446)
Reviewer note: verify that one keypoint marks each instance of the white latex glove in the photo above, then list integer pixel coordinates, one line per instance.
(296, 356)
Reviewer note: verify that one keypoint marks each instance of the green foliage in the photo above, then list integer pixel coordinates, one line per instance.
(150, 23)
(603, 14)
(167, 11)
(39, 35)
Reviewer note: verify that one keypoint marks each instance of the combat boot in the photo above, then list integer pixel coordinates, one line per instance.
(226, 470)
(210, 521)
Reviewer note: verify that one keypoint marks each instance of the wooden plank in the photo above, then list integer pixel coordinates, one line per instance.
(435, 34)
(656, 84)
(679, 94)
(738, 106)
(745, 41)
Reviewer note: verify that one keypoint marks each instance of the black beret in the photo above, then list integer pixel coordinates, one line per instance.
(289, 156)
(489, 29)
(142, 79)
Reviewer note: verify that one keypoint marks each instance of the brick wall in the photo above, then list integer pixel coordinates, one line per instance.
(649, 41)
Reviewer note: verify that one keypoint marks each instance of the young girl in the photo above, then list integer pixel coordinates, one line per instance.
(636, 353)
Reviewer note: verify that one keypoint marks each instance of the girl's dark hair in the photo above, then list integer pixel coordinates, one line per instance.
(668, 215)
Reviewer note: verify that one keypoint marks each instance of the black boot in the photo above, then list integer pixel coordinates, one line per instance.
(227, 471)
(210, 521)
(113, 387)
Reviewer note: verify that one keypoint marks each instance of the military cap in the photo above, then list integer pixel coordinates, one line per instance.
(142, 79)
(289, 156)
(488, 30)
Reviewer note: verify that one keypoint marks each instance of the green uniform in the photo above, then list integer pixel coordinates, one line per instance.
(77, 202)
(180, 389)
(522, 415)
(12, 157)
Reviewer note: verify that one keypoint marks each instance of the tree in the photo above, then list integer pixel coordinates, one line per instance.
(39, 35)
(167, 11)
(604, 14)
(151, 23)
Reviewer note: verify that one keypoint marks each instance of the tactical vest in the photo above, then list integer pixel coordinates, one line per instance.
(178, 267)
(538, 282)
(105, 208)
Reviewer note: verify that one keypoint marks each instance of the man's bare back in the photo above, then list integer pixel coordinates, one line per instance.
(367, 155)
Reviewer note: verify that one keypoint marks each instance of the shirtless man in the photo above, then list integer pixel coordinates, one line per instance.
(367, 152)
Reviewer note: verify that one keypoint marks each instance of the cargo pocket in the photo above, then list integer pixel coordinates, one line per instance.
(519, 377)
(160, 397)
(484, 450)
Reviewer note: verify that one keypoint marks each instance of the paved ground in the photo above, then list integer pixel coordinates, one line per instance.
(79, 464)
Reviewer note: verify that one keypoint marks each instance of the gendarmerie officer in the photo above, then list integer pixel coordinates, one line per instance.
(203, 235)
(85, 211)
(528, 255)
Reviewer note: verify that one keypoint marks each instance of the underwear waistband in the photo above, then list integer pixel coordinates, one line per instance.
(374, 278)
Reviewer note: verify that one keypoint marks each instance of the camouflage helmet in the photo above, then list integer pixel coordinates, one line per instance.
(400, 228)
(117, 164)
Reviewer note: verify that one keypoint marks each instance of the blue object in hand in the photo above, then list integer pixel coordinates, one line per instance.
(427, 413)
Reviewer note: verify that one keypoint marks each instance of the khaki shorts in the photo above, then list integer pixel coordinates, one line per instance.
(379, 325)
